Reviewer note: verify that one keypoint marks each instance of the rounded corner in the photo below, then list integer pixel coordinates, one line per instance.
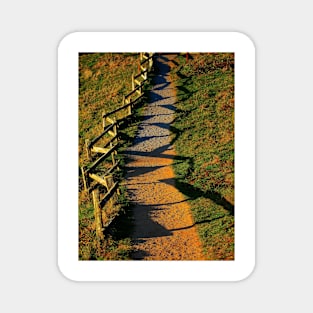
(67, 39)
(64, 274)
(247, 274)
(246, 38)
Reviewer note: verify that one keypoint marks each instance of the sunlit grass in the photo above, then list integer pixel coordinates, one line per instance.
(204, 142)
(103, 80)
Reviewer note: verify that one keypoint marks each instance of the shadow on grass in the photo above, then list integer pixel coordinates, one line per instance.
(193, 192)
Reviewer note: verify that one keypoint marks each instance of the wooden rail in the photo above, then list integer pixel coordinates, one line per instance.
(103, 157)
(103, 215)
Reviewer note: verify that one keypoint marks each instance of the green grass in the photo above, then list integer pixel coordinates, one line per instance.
(103, 80)
(204, 143)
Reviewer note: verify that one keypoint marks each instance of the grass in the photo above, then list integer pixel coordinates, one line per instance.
(103, 80)
(204, 143)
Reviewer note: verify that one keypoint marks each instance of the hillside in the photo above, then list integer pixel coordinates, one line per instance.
(204, 143)
(103, 80)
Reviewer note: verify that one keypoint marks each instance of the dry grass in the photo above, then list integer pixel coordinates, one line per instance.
(103, 80)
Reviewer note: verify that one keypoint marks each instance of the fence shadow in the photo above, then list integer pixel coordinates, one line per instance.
(193, 193)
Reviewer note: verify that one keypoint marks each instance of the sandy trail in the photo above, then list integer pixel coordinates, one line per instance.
(164, 228)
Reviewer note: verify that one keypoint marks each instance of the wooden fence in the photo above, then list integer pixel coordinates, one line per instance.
(99, 180)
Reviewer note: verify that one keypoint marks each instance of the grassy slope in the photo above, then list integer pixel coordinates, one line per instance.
(103, 80)
(204, 142)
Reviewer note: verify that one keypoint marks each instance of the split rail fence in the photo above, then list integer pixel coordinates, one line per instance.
(99, 180)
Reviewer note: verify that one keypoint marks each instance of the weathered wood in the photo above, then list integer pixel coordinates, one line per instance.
(143, 68)
(112, 168)
(150, 61)
(97, 213)
(99, 149)
(112, 154)
(106, 130)
(133, 91)
(103, 157)
(114, 127)
(101, 180)
(118, 109)
(104, 149)
(87, 144)
(103, 119)
(129, 111)
(111, 140)
(112, 199)
(85, 179)
(133, 83)
(137, 82)
(107, 195)
(110, 120)
(138, 75)
(146, 59)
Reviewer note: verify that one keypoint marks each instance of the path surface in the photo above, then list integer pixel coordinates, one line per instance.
(164, 228)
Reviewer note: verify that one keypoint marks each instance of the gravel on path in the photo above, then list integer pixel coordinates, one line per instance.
(164, 228)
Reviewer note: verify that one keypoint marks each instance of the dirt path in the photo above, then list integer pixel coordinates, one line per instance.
(164, 228)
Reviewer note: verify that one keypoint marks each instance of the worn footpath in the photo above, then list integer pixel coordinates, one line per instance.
(164, 228)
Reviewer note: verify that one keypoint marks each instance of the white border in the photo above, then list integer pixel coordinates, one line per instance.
(244, 262)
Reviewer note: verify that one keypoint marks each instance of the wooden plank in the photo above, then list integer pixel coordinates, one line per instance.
(111, 133)
(103, 119)
(132, 92)
(99, 149)
(87, 144)
(112, 168)
(150, 61)
(104, 149)
(116, 110)
(100, 180)
(111, 121)
(85, 179)
(108, 195)
(137, 82)
(97, 213)
(111, 140)
(138, 75)
(146, 60)
(103, 157)
(106, 130)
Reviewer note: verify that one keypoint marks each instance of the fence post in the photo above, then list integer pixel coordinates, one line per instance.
(115, 126)
(133, 82)
(110, 183)
(146, 68)
(103, 119)
(87, 141)
(97, 212)
(112, 154)
(130, 109)
(85, 179)
(150, 61)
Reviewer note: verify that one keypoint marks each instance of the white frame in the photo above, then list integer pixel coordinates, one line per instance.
(68, 262)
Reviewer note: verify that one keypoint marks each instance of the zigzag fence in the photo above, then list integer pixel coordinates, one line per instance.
(99, 180)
